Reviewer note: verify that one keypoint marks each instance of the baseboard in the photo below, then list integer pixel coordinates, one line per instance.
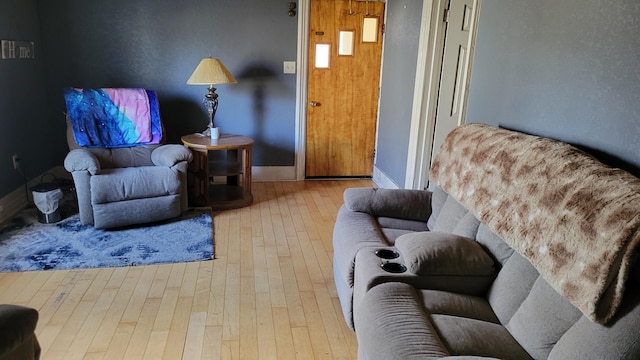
(17, 200)
(383, 180)
(273, 173)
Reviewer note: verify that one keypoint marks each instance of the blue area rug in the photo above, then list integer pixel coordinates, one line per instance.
(26, 244)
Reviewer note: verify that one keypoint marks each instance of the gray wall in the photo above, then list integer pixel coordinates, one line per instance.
(154, 44)
(24, 126)
(565, 69)
(568, 70)
(402, 33)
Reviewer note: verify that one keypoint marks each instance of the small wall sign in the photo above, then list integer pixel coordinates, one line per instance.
(18, 49)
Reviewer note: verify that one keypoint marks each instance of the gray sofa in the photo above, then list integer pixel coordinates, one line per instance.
(484, 266)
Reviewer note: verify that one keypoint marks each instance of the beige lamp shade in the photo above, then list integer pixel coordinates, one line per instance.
(211, 71)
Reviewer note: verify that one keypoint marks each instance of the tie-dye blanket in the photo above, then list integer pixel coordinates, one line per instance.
(113, 117)
(575, 219)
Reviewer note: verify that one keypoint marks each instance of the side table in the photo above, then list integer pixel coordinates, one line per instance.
(234, 162)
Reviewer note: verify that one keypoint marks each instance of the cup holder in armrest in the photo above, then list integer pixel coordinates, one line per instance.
(393, 267)
(387, 254)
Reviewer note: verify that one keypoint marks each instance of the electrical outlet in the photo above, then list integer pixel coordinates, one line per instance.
(16, 161)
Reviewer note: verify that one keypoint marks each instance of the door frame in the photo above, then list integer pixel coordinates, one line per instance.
(425, 99)
(429, 63)
(302, 81)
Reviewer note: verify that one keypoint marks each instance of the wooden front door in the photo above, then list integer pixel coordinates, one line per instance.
(345, 49)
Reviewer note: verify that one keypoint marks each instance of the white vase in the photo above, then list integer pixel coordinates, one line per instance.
(215, 133)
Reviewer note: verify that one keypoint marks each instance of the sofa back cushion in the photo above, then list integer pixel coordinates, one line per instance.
(438, 198)
(497, 247)
(511, 287)
(533, 312)
(573, 217)
(617, 340)
(543, 317)
(401, 204)
(546, 324)
(448, 215)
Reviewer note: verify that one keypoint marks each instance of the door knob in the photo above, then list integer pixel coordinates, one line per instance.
(314, 103)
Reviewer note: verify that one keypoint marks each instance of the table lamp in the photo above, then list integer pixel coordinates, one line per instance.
(211, 71)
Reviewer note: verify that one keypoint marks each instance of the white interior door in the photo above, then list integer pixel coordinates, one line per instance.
(447, 37)
(454, 78)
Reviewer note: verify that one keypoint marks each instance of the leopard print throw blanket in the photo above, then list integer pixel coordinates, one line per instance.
(575, 219)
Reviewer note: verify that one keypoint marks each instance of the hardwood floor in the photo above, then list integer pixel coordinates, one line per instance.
(269, 293)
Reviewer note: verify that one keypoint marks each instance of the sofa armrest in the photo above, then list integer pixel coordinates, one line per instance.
(82, 160)
(395, 203)
(169, 155)
(371, 270)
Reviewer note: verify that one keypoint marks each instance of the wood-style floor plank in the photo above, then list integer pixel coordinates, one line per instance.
(268, 294)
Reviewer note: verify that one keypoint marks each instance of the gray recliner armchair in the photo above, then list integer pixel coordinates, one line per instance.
(125, 186)
(128, 185)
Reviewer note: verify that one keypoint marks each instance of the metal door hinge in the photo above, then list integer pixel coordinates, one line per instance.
(447, 10)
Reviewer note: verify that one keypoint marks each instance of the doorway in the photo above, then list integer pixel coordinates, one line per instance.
(447, 43)
(454, 77)
(344, 58)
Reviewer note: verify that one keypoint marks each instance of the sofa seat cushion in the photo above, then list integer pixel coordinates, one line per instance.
(453, 304)
(122, 184)
(464, 336)
(437, 253)
(404, 323)
(467, 325)
(391, 235)
(392, 228)
(369, 273)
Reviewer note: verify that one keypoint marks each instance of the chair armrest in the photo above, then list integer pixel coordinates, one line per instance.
(169, 155)
(395, 203)
(82, 160)
(17, 323)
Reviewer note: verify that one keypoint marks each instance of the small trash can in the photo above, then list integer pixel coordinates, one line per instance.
(46, 197)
